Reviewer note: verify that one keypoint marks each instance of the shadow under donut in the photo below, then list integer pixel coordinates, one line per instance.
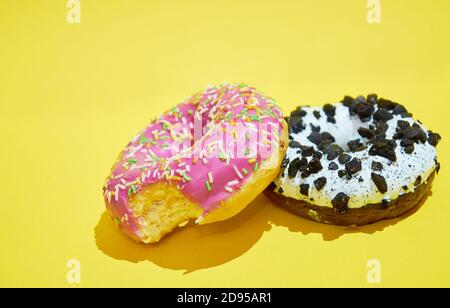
(198, 247)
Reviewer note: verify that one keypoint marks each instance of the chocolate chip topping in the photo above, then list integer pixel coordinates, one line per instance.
(406, 115)
(356, 145)
(418, 181)
(438, 165)
(272, 186)
(294, 144)
(307, 151)
(434, 139)
(305, 174)
(372, 98)
(333, 166)
(386, 203)
(382, 115)
(380, 130)
(380, 182)
(327, 138)
(314, 166)
(299, 112)
(406, 142)
(316, 114)
(340, 202)
(400, 109)
(386, 104)
(409, 149)
(296, 124)
(314, 128)
(321, 139)
(344, 158)
(315, 138)
(304, 189)
(297, 165)
(415, 134)
(317, 155)
(353, 166)
(364, 110)
(285, 162)
(303, 164)
(347, 101)
(377, 166)
(366, 133)
(384, 148)
(319, 183)
(402, 125)
(334, 151)
(329, 110)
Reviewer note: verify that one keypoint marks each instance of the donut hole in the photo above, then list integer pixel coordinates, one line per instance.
(348, 135)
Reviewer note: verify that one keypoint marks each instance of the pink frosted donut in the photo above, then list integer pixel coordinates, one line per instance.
(204, 160)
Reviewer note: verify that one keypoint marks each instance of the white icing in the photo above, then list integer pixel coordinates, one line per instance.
(397, 174)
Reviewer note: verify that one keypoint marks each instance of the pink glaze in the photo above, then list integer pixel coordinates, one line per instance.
(208, 146)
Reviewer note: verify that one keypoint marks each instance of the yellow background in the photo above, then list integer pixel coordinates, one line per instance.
(71, 96)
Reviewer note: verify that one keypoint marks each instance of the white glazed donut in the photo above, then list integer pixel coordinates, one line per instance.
(355, 162)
